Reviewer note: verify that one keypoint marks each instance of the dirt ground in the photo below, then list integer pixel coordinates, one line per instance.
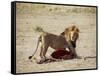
(53, 21)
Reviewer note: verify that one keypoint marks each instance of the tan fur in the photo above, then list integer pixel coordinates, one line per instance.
(69, 30)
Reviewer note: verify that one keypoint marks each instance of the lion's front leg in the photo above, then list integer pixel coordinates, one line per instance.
(72, 49)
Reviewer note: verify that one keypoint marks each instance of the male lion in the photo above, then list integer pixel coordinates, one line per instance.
(66, 39)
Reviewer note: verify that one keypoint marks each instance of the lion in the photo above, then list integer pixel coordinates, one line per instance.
(66, 39)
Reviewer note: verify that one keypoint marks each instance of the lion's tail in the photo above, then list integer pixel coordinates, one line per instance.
(39, 40)
(38, 29)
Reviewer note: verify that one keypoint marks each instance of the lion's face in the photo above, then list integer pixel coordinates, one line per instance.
(71, 33)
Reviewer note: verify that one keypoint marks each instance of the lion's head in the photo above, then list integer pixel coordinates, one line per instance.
(71, 34)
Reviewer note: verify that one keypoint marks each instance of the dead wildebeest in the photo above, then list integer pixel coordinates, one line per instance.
(59, 55)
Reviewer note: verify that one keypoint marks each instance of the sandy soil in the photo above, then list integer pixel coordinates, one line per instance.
(26, 39)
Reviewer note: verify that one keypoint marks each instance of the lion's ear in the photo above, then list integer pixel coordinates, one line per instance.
(63, 33)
